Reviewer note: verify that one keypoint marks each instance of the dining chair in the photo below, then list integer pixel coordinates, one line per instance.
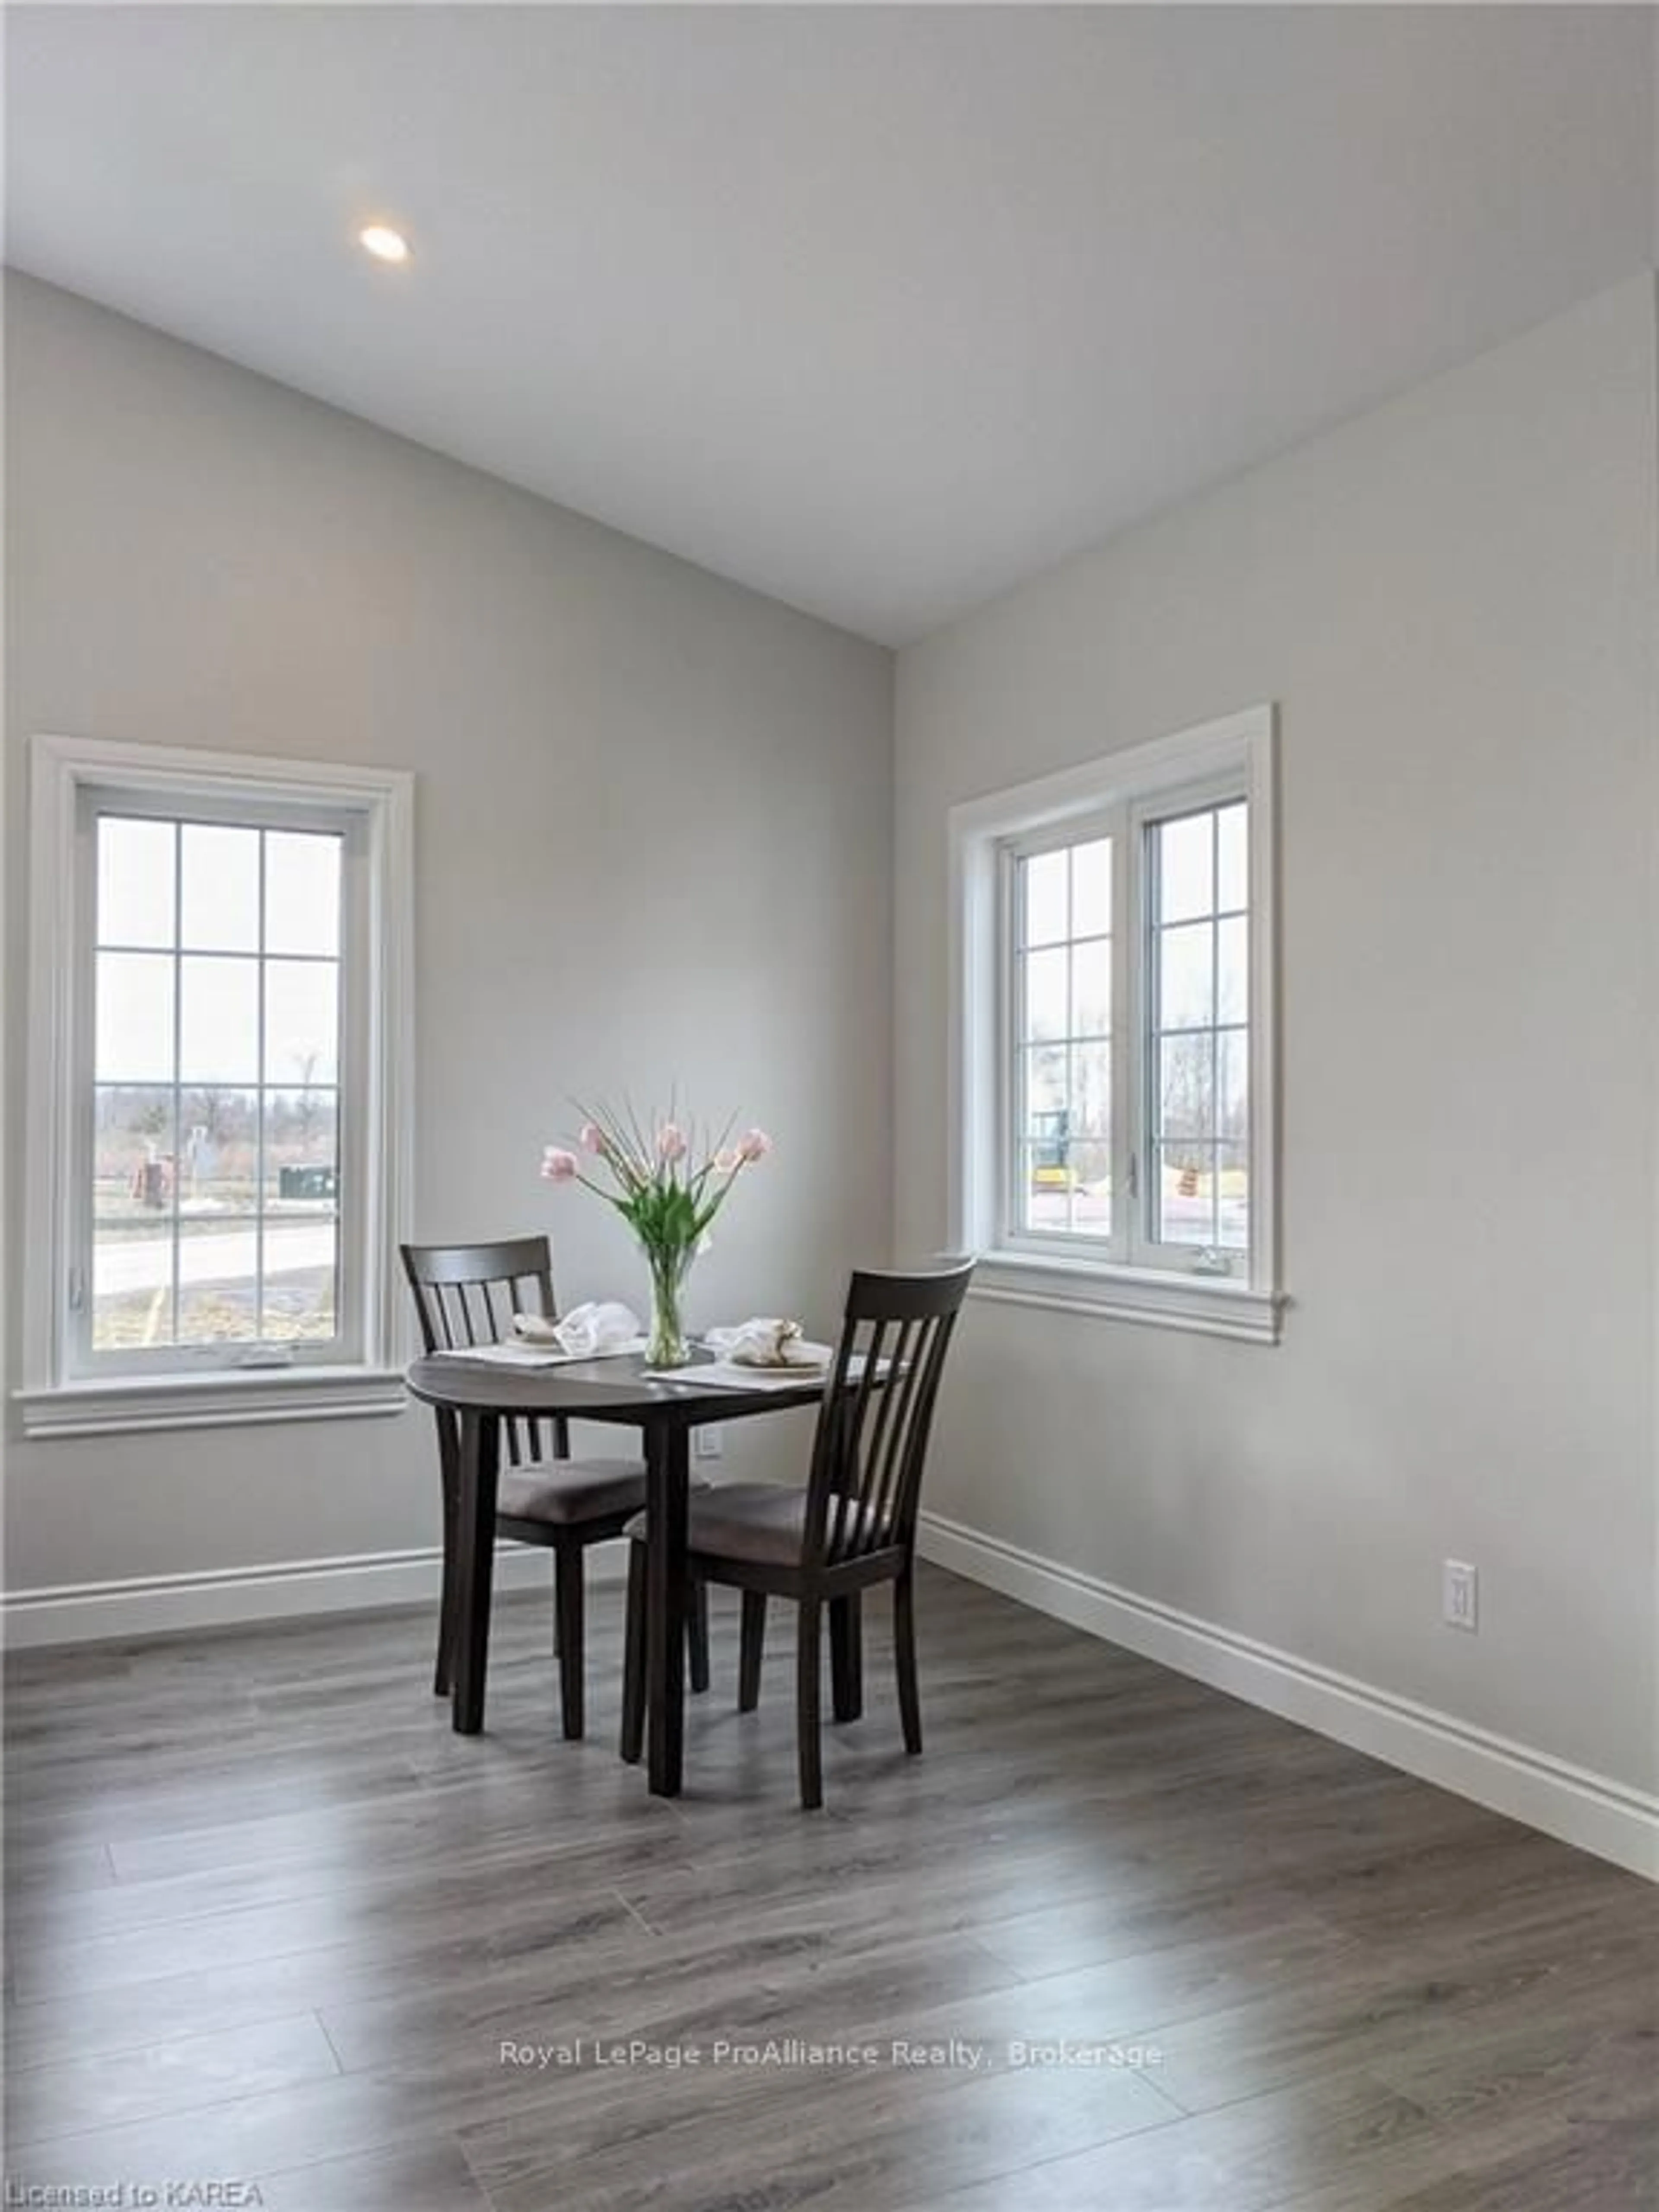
(852, 1526)
(466, 1295)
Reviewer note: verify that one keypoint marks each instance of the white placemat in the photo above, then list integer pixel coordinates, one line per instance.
(726, 1374)
(536, 1355)
(729, 1374)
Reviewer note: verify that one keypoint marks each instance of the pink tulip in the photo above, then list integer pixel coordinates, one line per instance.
(559, 1165)
(728, 1160)
(670, 1142)
(591, 1136)
(755, 1146)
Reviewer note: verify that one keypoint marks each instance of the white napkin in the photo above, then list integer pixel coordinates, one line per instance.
(604, 1325)
(767, 1342)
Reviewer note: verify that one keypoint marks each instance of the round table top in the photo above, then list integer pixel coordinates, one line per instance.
(593, 1390)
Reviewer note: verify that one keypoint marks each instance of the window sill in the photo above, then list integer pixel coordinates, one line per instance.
(127, 1403)
(1207, 1305)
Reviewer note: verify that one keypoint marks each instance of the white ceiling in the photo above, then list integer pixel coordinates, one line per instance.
(879, 310)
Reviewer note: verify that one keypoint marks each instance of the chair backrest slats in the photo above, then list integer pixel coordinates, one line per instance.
(873, 1427)
(888, 1446)
(467, 1295)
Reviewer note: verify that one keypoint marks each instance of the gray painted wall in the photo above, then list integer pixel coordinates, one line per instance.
(1453, 601)
(654, 845)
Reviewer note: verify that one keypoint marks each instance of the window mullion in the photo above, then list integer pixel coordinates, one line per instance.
(1215, 1033)
(1131, 894)
(77, 1286)
(1009, 1031)
(175, 1227)
(260, 1098)
(1126, 1165)
(1016, 1154)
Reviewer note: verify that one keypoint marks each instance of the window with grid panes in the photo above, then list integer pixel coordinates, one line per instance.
(219, 1106)
(212, 1187)
(1116, 1129)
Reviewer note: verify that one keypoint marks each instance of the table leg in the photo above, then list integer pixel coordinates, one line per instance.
(667, 1479)
(479, 1472)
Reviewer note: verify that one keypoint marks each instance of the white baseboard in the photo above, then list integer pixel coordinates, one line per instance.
(1590, 1810)
(153, 1605)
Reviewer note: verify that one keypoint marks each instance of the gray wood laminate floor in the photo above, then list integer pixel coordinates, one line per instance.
(271, 1925)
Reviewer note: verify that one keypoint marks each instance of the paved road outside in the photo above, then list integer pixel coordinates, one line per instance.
(125, 1264)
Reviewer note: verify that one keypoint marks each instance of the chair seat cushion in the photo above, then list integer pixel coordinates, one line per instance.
(756, 1521)
(563, 1491)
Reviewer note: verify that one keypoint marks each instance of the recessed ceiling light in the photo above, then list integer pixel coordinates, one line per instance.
(383, 242)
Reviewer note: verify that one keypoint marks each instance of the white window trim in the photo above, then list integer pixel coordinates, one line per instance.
(50, 1404)
(1242, 746)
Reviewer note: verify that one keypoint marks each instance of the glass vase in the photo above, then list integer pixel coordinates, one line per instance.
(666, 1346)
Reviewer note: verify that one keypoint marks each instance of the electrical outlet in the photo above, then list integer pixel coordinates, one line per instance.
(709, 1442)
(1460, 1595)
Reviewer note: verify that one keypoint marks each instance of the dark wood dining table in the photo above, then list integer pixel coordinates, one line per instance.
(618, 1391)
